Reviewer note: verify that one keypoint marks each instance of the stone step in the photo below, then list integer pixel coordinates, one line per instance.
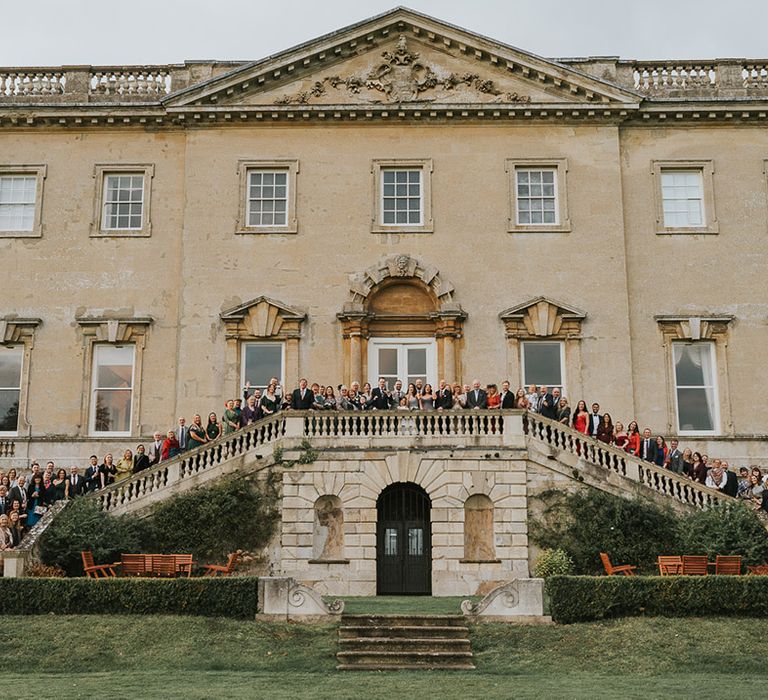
(404, 620)
(407, 631)
(406, 667)
(385, 659)
(402, 645)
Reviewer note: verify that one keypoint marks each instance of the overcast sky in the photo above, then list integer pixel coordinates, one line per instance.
(116, 32)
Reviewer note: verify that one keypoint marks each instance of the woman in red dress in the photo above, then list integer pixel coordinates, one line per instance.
(581, 417)
(620, 438)
(633, 439)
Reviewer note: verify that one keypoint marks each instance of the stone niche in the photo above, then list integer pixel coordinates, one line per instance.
(328, 535)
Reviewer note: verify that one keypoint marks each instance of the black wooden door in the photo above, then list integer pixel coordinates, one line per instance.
(404, 541)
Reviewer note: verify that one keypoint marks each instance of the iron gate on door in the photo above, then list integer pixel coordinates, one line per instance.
(403, 541)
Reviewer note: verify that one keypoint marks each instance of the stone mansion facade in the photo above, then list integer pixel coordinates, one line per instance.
(401, 197)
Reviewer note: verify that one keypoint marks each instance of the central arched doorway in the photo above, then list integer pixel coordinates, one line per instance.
(403, 541)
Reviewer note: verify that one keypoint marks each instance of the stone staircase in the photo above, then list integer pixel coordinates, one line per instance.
(404, 642)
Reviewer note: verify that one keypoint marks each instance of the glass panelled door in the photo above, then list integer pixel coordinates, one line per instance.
(406, 359)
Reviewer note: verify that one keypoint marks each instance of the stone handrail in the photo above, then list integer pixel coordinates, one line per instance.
(7, 448)
(192, 462)
(613, 459)
(394, 423)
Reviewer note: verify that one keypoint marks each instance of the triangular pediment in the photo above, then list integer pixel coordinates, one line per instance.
(542, 317)
(400, 57)
(263, 317)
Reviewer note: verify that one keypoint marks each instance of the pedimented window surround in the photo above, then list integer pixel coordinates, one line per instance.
(545, 319)
(16, 331)
(714, 328)
(262, 319)
(368, 313)
(96, 330)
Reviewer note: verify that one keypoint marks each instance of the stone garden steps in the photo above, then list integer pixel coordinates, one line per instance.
(399, 642)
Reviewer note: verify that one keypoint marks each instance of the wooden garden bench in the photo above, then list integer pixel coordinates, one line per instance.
(135, 565)
(728, 565)
(758, 570)
(611, 570)
(97, 570)
(218, 569)
(695, 566)
(670, 566)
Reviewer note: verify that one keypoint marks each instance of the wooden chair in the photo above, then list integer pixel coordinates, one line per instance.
(695, 566)
(97, 570)
(218, 570)
(670, 566)
(135, 564)
(758, 570)
(611, 570)
(728, 565)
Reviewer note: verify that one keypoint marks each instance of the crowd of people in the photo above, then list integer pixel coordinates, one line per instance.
(25, 498)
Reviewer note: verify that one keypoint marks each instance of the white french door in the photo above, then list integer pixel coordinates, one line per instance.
(406, 359)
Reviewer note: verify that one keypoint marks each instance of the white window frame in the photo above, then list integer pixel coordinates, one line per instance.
(108, 218)
(706, 168)
(244, 170)
(563, 377)
(383, 197)
(249, 203)
(714, 386)
(374, 344)
(244, 344)
(378, 167)
(560, 167)
(39, 172)
(101, 172)
(21, 350)
(94, 389)
(554, 197)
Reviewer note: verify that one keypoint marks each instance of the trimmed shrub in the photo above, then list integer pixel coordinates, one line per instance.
(82, 527)
(211, 597)
(553, 562)
(587, 522)
(585, 598)
(728, 528)
(213, 521)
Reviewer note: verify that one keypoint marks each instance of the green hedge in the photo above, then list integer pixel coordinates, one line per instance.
(584, 598)
(210, 597)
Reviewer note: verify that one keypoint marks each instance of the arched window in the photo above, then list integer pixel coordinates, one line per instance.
(478, 529)
(328, 537)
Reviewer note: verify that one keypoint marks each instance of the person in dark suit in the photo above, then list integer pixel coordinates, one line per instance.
(19, 492)
(5, 502)
(548, 404)
(76, 483)
(648, 447)
(477, 397)
(380, 397)
(731, 487)
(140, 461)
(92, 475)
(675, 458)
(302, 398)
(594, 420)
(182, 434)
(443, 396)
(507, 396)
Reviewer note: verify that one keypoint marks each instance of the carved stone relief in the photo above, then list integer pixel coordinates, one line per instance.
(402, 77)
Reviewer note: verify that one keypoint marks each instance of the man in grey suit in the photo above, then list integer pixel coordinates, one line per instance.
(182, 434)
(675, 458)
(477, 397)
(155, 449)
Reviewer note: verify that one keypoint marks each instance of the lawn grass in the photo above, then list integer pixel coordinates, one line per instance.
(189, 657)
